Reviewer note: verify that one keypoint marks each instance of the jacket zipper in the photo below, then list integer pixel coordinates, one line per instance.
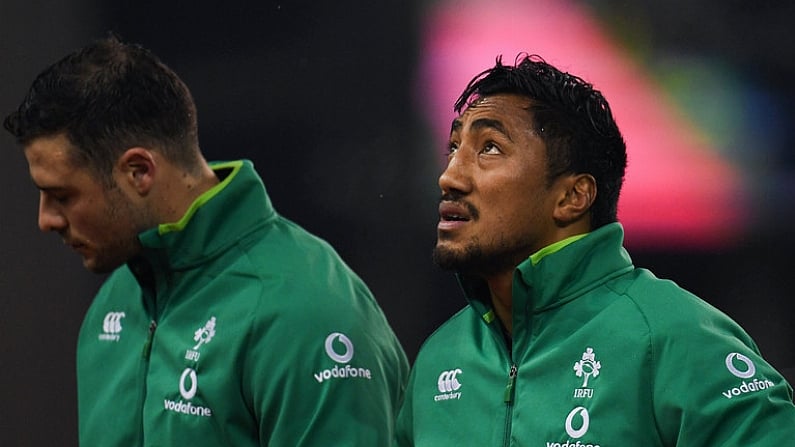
(146, 352)
(149, 338)
(508, 398)
(148, 282)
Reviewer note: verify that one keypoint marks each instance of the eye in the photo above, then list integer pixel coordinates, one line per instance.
(62, 199)
(452, 147)
(59, 198)
(491, 148)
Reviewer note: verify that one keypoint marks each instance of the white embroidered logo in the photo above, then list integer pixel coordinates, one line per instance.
(204, 334)
(746, 371)
(339, 358)
(587, 367)
(188, 393)
(750, 368)
(586, 421)
(111, 326)
(341, 372)
(448, 384)
(578, 421)
(188, 385)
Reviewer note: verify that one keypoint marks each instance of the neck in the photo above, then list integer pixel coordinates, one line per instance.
(500, 289)
(501, 284)
(181, 190)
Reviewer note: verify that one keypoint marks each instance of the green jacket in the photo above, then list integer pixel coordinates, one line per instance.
(603, 354)
(236, 328)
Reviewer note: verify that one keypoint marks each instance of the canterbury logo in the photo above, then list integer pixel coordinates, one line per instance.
(111, 326)
(448, 382)
(112, 322)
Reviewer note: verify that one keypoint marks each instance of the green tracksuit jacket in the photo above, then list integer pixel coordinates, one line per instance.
(236, 328)
(603, 354)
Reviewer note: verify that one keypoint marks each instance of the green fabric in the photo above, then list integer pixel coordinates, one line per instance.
(605, 354)
(536, 257)
(257, 321)
(202, 199)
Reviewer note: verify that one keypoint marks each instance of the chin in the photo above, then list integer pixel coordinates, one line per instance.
(94, 266)
(448, 258)
(473, 260)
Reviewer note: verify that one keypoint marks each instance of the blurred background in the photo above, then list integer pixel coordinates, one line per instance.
(344, 107)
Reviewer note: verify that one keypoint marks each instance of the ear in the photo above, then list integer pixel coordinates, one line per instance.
(578, 194)
(137, 168)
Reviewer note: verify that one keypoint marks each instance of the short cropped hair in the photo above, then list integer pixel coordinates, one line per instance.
(106, 98)
(571, 117)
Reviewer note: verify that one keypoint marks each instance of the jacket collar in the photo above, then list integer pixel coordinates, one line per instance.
(220, 217)
(558, 277)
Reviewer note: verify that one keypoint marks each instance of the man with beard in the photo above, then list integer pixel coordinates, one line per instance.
(222, 323)
(564, 342)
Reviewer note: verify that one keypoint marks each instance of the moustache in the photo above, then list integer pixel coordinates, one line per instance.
(457, 198)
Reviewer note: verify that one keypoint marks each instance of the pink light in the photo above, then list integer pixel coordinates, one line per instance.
(678, 190)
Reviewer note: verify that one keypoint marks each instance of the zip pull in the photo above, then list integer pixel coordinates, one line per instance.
(509, 389)
(148, 344)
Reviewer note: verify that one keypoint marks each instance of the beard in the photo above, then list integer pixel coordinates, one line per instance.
(477, 259)
(128, 222)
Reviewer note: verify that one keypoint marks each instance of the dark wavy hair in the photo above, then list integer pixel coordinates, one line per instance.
(106, 98)
(572, 118)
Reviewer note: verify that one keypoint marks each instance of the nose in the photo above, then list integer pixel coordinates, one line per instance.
(50, 218)
(456, 176)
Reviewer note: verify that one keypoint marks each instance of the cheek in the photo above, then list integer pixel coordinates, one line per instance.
(518, 221)
(92, 229)
(96, 222)
(528, 209)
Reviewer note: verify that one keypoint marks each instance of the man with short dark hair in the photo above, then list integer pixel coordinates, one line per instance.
(564, 342)
(222, 323)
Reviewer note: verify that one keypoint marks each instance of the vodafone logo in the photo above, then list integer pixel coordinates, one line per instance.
(188, 383)
(584, 420)
(346, 342)
(747, 368)
(340, 349)
(742, 367)
(577, 424)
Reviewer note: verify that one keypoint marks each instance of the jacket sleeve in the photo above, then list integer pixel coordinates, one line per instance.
(404, 431)
(712, 386)
(322, 371)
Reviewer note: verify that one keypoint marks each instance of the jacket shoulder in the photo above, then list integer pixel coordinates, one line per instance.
(670, 309)
(453, 335)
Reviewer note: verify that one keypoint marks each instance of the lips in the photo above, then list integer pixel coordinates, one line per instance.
(451, 211)
(74, 245)
(454, 215)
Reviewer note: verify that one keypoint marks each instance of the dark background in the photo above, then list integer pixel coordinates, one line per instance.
(319, 96)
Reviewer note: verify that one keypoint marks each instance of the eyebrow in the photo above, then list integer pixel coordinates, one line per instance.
(481, 123)
(49, 188)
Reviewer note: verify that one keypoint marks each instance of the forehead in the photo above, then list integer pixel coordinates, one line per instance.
(52, 160)
(510, 109)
